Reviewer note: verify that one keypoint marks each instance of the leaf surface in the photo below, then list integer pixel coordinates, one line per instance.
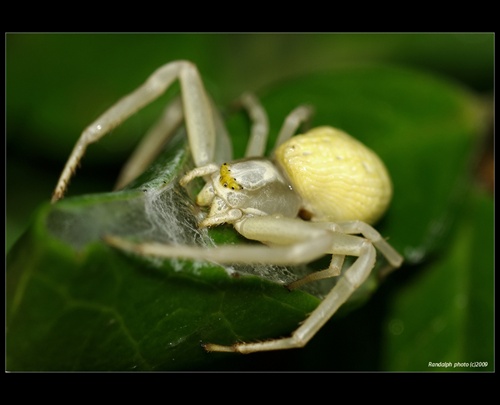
(443, 320)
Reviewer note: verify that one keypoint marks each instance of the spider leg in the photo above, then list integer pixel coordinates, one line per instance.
(293, 242)
(354, 227)
(333, 270)
(198, 172)
(340, 293)
(260, 125)
(339, 244)
(292, 122)
(152, 143)
(394, 259)
(215, 219)
(160, 133)
(197, 110)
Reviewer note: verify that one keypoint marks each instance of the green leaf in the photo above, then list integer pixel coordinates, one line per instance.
(75, 304)
(99, 310)
(443, 317)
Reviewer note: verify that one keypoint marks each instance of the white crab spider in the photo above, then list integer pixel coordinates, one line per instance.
(341, 185)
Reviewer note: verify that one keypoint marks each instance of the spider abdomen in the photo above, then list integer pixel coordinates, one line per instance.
(338, 178)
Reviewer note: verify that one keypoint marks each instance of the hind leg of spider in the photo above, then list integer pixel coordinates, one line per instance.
(340, 293)
(394, 259)
(333, 270)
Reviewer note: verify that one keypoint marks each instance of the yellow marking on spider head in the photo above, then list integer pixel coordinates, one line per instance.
(226, 179)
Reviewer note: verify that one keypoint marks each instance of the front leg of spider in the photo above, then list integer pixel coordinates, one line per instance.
(197, 110)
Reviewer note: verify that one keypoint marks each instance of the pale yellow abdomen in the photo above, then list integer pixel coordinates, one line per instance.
(338, 178)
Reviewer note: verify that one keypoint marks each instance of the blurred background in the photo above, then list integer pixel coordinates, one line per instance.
(57, 84)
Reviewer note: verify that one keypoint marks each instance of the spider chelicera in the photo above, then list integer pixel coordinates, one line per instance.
(329, 177)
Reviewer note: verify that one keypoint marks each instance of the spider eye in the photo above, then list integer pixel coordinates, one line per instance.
(226, 180)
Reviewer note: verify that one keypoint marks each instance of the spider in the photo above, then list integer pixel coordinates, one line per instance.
(316, 195)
